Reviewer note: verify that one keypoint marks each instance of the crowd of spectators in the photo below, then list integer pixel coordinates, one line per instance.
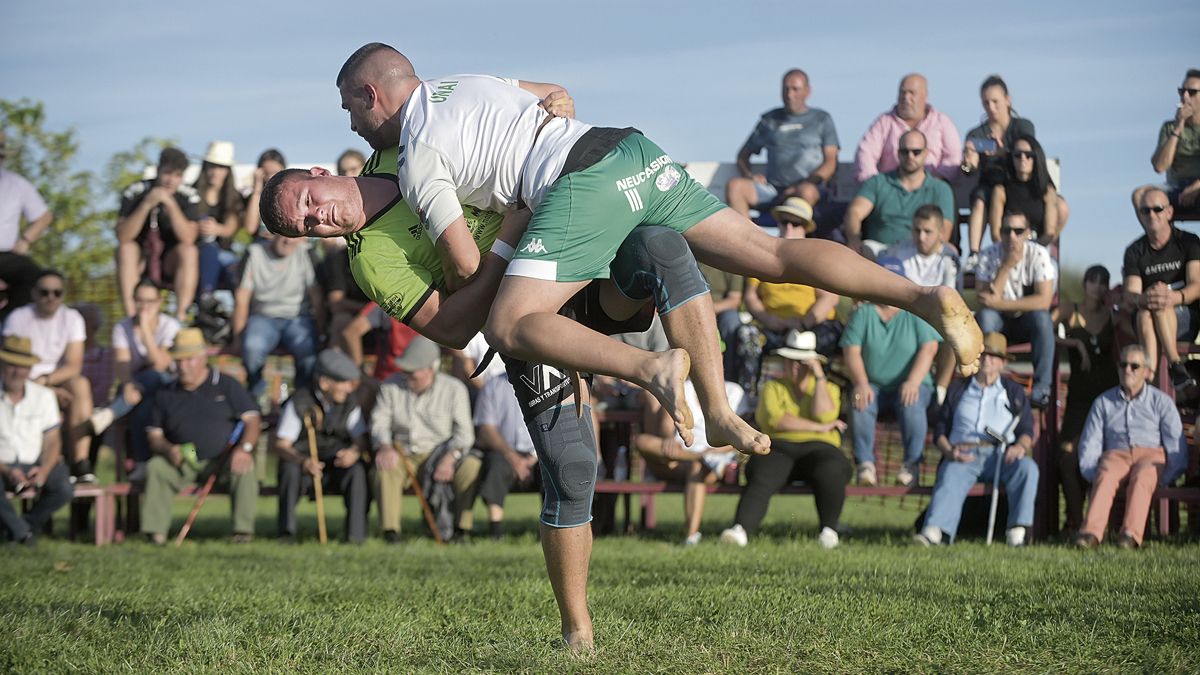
(375, 409)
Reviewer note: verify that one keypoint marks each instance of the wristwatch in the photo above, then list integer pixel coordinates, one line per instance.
(246, 447)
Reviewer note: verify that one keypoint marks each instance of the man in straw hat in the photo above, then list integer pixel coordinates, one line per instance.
(190, 426)
(30, 443)
(988, 400)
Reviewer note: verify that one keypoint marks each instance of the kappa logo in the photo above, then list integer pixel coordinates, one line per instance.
(668, 179)
(534, 246)
(634, 199)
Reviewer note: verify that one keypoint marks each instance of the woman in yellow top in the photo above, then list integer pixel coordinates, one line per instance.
(799, 411)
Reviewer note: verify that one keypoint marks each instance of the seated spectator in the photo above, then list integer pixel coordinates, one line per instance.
(889, 354)
(1162, 285)
(58, 335)
(509, 458)
(987, 400)
(1178, 150)
(726, 289)
(219, 217)
(1133, 436)
(1091, 342)
(1015, 286)
(156, 234)
(396, 336)
(465, 361)
(350, 163)
(777, 308)
(801, 145)
(270, 162)
(697, 466)
(344, 300)
(192, 434)
(274, 306)
(799, 411)
(1027, 188)
(18, 199)
(426, 415)
(881, 214)
(30, 444)
(342, 441)
(877, 150)
(142, 364)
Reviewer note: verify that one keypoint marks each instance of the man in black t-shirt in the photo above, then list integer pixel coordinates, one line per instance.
(156, 233)
(1162, 284)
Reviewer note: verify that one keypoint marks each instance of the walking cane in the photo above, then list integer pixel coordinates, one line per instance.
(322, 534)
(416, 486)
(1000, 439)
(208, 484)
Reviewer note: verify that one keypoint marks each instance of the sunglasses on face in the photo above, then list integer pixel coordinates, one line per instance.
(1023, 154)
(1146, 210)
(1132, 366)
(911, 151)
(1019, 231)
(1189, 91)
(50, 292)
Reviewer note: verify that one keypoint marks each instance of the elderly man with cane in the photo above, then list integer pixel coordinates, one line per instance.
(973, 406)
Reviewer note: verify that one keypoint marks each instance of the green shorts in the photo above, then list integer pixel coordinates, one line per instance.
(586, 214)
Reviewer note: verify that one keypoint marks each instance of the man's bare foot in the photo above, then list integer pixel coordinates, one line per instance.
(671, 369)
(943, 308)
(579, 643)
(732, 430)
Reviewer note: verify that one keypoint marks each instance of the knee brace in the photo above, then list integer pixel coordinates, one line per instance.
(567, 457)
(655, 262)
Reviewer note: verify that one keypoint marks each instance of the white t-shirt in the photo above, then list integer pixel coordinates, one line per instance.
(22, 425)
(476, 349)
(937, 269)
(50, 336)
(1036, 265)
(700, 441)
(470, 139)
(125, 337)
(18, 198)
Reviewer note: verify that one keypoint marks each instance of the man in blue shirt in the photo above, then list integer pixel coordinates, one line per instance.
(986, 400)
(1134, 432)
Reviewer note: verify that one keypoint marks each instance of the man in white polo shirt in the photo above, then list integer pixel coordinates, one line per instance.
(30, 445)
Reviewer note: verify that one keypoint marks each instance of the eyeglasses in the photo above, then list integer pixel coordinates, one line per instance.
(1132, 366)
(1189, 90)
(911, 151)
(1019, 231)
(47, 292)
(1023, 154)
(146, 301)
(1145, 210)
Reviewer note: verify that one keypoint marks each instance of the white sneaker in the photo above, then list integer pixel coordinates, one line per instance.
(692, 539)
(735, 535)
(828, 538)
(1016, 536)
(907, 475)
(866, 474)
(101, 419)
(928, 536)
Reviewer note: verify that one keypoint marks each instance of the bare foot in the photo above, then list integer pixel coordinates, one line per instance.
(579, 643)
(732, 430)
(671, 369)
(943, 308)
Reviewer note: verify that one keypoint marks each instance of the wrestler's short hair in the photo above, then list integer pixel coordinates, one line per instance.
(356, 59)
(269, 208)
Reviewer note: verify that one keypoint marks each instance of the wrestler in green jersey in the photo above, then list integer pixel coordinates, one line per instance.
(393, 259)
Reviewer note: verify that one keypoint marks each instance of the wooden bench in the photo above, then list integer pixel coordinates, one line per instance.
(105, 518)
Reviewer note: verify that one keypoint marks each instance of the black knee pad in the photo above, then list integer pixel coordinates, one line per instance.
(567, 456)
(655, 262)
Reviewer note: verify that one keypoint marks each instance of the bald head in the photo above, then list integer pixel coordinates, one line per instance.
(374, 84)
(912, 97)
(374, 63)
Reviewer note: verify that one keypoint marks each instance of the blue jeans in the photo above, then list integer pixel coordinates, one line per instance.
(215, 266)
(297, 336)
(727, 325)
(954, 479)
(913, 423)
(1034, 327)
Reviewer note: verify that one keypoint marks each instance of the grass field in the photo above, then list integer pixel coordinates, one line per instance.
(781, 604)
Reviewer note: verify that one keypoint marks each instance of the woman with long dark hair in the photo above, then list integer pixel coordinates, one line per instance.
(1027, 188)
(220, 211)
(270, 162)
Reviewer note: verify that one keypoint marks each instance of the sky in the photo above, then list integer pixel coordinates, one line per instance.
(1097, 78)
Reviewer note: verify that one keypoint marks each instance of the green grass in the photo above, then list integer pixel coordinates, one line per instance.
(782, 604)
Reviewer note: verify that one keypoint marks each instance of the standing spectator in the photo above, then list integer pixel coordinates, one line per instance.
(1028, 188)
(342, 439)
(1162, 285)
(270, 162)
(219, 217)
(18, 199)
(350, 163)
(274, 306)
(876, 151)
(1134, 436)
(30, 443)
(192, 422)
(427, 415)
(889, 354)
(1178, 150)
(1015, 286)
(801, 145)
(799, 411)
(883, 210)
(156, 233)
(509, 458)
(987, 400)
(1091, 338)
(58, 335)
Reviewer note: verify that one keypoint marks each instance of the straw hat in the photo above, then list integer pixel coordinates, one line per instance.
(220, 153)
(996, 345)
(189, 342)
(800, 346)
(796, 209)
(18, 351)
